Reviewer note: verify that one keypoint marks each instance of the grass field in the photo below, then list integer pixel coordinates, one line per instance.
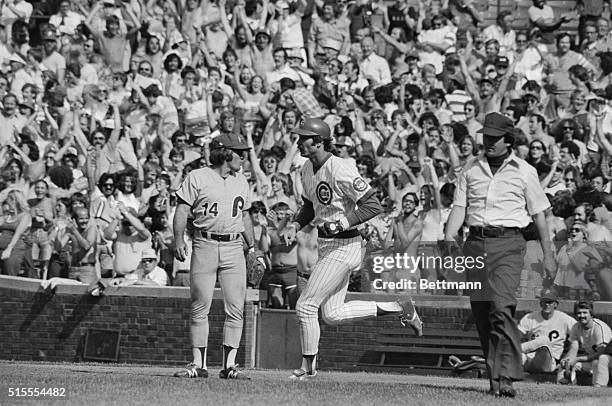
(103, 384)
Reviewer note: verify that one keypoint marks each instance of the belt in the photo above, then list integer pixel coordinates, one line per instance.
(182, 271)
(491, 231)
(342, 235)
(303, 275)
(284, 268)
(219, 237)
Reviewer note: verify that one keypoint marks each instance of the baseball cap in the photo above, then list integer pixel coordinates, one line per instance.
(502, 61)
(262, 32)
(497, 125)
(71, 151)
(311, 127)
(149, 253)
(48, 35)
(231, 141)
(16, 58)
(549, 294)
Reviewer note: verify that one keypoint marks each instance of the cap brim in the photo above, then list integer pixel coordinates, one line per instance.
(493, 132)
(304, 133)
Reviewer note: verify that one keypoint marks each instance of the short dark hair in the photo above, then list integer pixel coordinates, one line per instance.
(258, 206)
(540, 118)
(583, 304)
(104, 177)
(571, 147)
(219, 155)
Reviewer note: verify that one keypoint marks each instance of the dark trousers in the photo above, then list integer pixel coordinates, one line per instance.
(494, 304)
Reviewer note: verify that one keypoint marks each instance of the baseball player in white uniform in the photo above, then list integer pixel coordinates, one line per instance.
(338, 200)
(546, 330)
(594, 337)
(218, 198)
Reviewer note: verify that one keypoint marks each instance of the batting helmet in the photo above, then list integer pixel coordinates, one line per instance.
(312, 127)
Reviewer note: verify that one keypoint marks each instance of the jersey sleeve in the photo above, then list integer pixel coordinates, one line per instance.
(602, 333)
(534, 194)
(188, 191)
(575, 333)
(460, 198)
(350, 183)
(525, 325)
(247, 194)
(570, 322)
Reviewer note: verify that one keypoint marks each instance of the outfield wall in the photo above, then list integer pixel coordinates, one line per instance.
(154, 325)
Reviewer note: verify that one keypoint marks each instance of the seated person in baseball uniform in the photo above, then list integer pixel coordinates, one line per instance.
(281, 282)
(592, 336)
(546, 331)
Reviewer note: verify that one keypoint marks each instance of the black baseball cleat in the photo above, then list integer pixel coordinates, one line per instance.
(192, 371)
(233, 373)
(410, 318)
(505, 388)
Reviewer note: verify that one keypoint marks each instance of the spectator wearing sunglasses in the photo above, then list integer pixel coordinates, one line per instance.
(147, 273)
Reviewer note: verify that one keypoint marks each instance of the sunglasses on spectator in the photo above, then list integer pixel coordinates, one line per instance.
(259, 211)
(109, 185)
(568, 128)
(536, 147)
(576, 230)
(148, 260)
(569, 180)
(145, 70)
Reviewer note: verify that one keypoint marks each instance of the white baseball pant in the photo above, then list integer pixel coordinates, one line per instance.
(327, 286)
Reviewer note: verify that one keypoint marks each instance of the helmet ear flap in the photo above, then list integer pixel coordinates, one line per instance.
(229, 155)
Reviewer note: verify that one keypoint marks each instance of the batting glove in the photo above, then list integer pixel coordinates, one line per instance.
(332, 227)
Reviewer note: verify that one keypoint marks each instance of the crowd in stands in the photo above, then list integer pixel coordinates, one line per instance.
(107, 105)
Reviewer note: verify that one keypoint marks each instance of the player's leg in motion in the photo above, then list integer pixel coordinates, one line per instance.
(203, 276)
(232, 277)
(328, 284)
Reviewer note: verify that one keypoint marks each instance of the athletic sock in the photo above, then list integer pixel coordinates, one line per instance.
(383, 308)
(309, 363)
(199, 356)
(229, 356)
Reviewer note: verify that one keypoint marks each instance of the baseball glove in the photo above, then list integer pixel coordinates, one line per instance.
(256, 265)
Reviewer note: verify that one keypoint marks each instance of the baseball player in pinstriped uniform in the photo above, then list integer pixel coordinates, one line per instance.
(338, 200)
(218, 198)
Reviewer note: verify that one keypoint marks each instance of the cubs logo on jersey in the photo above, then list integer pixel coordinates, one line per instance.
(359, 184)
(324, 193)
